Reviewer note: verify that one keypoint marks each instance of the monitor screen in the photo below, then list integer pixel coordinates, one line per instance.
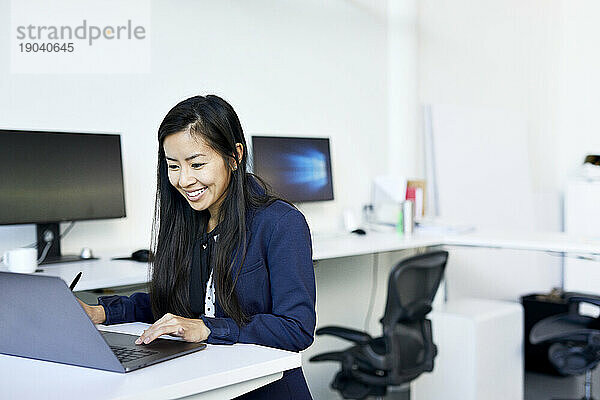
(298, 169)
(56, 176)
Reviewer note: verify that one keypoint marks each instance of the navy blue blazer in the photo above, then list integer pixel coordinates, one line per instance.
(276, 288)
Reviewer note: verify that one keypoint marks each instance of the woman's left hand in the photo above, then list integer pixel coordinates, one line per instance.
(190, 330)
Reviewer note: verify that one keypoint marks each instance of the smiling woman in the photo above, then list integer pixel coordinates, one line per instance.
(202, 177)
(232, 262)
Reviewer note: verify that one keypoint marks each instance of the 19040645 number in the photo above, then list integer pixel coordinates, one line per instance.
(46, 47)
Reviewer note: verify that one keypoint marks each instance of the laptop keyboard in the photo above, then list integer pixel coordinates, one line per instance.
(125, 354)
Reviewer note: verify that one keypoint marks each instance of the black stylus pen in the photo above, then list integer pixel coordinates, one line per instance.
(75, 281)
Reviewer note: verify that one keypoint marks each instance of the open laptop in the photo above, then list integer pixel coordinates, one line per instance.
(40, 318)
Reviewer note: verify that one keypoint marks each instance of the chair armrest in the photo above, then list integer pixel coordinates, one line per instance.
(338, 356)
(587, 298)
(352, 335)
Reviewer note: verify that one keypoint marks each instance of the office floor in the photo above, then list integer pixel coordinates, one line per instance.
(545, 387)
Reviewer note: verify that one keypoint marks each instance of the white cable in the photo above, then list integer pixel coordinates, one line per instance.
(45, 252)
(373, 290)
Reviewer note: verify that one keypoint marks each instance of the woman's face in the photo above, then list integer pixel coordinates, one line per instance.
(197, 171)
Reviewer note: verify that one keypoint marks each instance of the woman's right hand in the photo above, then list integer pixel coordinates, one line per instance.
(96, 313)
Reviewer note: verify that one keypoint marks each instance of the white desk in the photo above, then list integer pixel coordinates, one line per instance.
(217, 372)
(533, 241)
(98, 274)
(376, 242)
(227, 369)
(346, 245)
(105, 273)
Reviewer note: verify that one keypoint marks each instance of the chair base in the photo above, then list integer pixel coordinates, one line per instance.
(395, 393)
(350, 389)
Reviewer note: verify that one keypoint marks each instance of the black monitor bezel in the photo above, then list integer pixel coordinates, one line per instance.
(80, 133)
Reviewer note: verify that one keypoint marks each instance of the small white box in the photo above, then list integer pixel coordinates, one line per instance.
(480, 352)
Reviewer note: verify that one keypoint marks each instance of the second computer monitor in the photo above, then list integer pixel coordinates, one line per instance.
(298, 169)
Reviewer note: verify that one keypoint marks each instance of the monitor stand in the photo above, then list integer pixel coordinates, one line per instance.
(54, 254)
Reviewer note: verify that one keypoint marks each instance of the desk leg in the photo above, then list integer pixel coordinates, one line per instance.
(238, 389)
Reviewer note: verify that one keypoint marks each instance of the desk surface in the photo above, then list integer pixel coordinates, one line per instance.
(215, 371)
(220, 367)
(104, 272)
(377, 242)
(536, 241)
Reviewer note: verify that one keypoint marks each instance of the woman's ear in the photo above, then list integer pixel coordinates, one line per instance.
(239, 149)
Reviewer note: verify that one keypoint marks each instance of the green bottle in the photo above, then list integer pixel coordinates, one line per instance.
(400, 223)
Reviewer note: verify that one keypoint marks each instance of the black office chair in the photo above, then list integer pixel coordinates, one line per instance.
(406, 348)
(574, 339)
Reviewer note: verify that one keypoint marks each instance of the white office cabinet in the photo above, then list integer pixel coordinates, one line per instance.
(582, 218)
(480, 352)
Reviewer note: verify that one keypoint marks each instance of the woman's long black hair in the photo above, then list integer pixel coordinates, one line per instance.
(176, 223)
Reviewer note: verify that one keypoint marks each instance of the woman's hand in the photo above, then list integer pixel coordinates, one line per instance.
(190, 330)
(96, 313)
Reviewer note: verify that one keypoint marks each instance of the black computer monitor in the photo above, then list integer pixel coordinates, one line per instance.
(51, 177)
(298, 169)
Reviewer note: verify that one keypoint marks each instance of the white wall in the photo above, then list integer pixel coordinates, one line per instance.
(578, 85)
(404, 158)
(537, 57)
(305, 68)
(502, 55)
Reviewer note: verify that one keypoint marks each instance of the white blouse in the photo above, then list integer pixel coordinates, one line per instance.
(209, 298)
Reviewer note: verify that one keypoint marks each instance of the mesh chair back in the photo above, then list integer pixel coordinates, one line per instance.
(412, 285)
